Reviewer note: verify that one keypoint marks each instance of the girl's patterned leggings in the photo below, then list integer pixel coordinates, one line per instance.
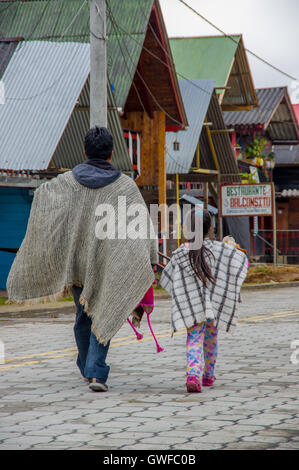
(202, 349)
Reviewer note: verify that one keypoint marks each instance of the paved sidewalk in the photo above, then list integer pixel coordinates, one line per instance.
(253, 405)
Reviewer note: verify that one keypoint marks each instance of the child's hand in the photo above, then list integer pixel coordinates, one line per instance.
(137, 316)
(231, 241)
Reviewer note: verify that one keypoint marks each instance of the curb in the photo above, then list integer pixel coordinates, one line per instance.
(271, 285)
(52, 310)
(37, 310)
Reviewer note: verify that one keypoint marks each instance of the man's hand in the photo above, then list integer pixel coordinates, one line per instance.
(137, 316)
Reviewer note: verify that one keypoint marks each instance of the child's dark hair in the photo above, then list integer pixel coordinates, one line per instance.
(98, 143)
(199, 258)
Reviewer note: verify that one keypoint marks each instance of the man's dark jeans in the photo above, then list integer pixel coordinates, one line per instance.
(91, 354)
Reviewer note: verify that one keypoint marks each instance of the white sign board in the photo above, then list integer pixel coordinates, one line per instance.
(246, 199)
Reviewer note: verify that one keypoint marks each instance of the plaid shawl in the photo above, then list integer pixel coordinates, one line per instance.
(192, 302)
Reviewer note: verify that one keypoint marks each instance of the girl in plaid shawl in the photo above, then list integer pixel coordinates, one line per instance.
(205, 284)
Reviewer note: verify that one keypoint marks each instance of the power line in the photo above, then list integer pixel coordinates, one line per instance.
(125, 61)
(171, 60)
(120, 28)
(140, 76)
(30, 36)
(42, 92)
(176, 162)
(232, 39)
(73, 20)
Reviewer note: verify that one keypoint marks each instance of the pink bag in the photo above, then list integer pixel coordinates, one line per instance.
(147, 303)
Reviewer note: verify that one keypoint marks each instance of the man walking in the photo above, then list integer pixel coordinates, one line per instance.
(63, 254)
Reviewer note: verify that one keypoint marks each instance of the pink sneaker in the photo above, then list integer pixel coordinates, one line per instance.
(193, 384)
(208, 381)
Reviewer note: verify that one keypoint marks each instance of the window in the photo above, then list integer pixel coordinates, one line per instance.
(133, 143)
(176, 146)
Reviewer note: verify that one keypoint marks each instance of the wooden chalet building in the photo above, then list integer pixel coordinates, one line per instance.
(271, 130)
(214, 76)
(45, 65)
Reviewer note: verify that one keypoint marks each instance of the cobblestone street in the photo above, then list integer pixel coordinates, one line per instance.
(253, 404)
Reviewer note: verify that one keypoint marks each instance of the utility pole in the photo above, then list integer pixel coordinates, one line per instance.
(98, 64)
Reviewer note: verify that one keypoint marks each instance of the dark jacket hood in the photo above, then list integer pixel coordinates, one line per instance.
(95, 173)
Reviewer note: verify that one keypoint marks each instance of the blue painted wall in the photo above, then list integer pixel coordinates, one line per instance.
(15, 205)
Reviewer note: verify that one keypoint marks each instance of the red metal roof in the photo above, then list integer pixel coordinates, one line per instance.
(296, 109)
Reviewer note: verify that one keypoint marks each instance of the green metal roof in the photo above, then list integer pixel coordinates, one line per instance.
(68, 20)
(205, 57)
(47, 19)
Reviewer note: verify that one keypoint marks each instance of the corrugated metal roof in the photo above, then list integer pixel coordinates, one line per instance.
(51, 19)
(200, 101)
(68, 20)
(296, 110)
(286, 154)
(275, 114)
(56, 20)
(43, 82)
(222, 144)
(194, 200)
(240, 87)
(220, 58)
(268, 98)
(196, 97)
(7, 49)
(205, 57)
(69, 151)
(123, 54)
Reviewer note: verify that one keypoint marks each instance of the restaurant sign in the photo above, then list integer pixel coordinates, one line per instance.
(246, 199)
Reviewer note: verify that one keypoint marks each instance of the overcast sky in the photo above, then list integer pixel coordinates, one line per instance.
(270, 28)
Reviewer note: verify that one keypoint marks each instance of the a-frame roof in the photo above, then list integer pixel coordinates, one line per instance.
(128, 30)
(201, 103)
(274, 115)
(46, 111)
(222, 59)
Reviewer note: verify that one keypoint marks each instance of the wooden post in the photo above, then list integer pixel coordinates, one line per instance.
(212, 148)
(220, 220)
(274, 229)
(152, 161)
(206, 195)
(178, 209)
(160, 165)
(198, 156)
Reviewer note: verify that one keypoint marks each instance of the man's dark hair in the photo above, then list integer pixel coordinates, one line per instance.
(98, 143)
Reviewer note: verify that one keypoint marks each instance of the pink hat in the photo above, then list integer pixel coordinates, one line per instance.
(147, 303)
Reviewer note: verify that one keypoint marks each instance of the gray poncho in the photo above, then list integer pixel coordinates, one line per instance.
(61, 249)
